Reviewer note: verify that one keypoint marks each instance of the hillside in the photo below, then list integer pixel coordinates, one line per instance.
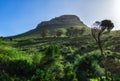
(59, 59)
(29, 57)
(63, 22)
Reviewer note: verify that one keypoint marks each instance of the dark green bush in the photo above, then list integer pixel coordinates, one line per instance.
(4, 77)
(20, 68)
(41, 75)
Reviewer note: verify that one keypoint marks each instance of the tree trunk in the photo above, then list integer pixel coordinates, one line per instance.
(101, 50)
(99, 44)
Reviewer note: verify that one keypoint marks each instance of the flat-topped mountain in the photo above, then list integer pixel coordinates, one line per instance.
(64, 21)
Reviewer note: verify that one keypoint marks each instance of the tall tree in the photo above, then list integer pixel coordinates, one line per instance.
(70, 31)
(75, 32)
(59, 33)
(97, 30)
(82, 30)
(44, 33)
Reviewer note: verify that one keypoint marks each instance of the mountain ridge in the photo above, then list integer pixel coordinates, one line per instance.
(63, 21)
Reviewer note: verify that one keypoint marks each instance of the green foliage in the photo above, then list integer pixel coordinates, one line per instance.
(75, 32)
(5, 77)
(37, 58)
(59, 33)
(12, 54)
(87, 66)
(44, 33)
(4, 58)
(70, 74)
(23, 69)
(52, 56)
(58, 59)
(41, 75)
(117, 78)
(107, 24)
(52, 50)
(99, 71)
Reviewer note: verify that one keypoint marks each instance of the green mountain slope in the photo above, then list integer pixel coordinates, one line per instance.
(64, 22)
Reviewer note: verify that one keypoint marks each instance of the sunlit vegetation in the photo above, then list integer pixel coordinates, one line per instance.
(71, 58)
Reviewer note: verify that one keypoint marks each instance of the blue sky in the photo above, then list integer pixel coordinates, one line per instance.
(18, 16)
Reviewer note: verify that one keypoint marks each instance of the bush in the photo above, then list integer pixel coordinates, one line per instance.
(117, 79)
(36, 58)
(9, 53)
(4, 77)
(41, 75)
(20, 68)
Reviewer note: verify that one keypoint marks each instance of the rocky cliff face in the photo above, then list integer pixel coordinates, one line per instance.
(62, 20)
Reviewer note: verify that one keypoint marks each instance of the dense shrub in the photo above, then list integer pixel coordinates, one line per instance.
(20, 68)
(4, 77)
(41, 75)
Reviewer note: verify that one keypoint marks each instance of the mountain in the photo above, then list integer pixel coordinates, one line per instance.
(64, 22)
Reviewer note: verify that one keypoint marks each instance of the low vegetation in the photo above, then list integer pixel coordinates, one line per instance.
(61, 58)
